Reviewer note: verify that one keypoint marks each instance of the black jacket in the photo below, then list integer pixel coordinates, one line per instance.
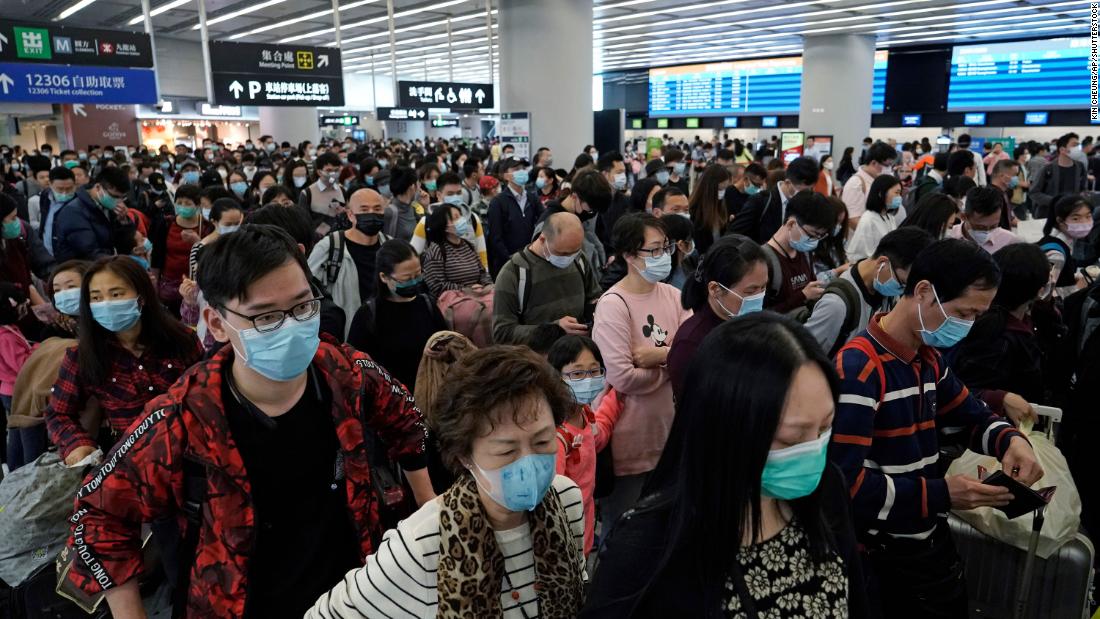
(1002, 352)
(761, 216)
(510, 228)
(631, 554)
(84, 230)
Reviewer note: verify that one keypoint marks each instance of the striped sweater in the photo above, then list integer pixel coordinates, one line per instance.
(399, 580)
(887, 437)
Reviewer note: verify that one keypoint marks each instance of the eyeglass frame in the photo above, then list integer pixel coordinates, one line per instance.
(669, 247)
(282, 320)
(583, 374)
(808, 234)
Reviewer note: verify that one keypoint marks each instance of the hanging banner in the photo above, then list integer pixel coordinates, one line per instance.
(453, 95)
(276, 75)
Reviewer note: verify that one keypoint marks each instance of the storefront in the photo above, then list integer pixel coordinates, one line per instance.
(189, 122)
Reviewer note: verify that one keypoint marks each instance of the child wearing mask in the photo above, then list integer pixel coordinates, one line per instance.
(588, 428)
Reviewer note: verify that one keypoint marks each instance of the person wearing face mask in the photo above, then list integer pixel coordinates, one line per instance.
(449, 190)
(273, 391)
(345, 261)
(239, 185)
(518, 527)
(23, 257)
(549, 281)
(634, 324)
(295, 178)
(513, 214)
(473, 170)
(676, 166)
(1004, 175)
(849, 301)
(888, 433)
(96, 222)
(130, 351)
(1070, 222)
(982, 218)
(765, 211)
(189, 174)
(707, 206)
(880, 157)
(792, 283)
(743, 515)
(1018, 196)
(882, 214)
(730, 281)
(826, 184)
(43, 207)
(547, 185)
(613, 167)
(226, 216)
(588, 195)
(185, 229)
(395, 323)
(403, 211)
(451, 263)
(588, 428)
(324, 200)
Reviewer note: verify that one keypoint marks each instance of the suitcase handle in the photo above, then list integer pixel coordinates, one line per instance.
(1024, 589)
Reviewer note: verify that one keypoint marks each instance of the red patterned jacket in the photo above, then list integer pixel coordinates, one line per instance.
(141, 479)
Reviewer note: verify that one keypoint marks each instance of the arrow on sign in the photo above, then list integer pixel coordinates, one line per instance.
(78, 109)
(3, 39)
(6, 82)
(236, 89)
(479, 95)
(322, 60)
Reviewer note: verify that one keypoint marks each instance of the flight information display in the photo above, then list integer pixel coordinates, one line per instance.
(769, 85)
(1025, 75)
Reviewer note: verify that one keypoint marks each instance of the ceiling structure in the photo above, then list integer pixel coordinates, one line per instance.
(627, 34)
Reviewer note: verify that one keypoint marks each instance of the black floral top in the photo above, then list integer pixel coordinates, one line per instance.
(784, 581)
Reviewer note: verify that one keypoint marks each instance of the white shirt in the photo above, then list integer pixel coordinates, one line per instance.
(521, 198)
(869, 231)
(399, 580)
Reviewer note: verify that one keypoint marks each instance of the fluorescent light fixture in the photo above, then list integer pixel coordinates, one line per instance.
(73, 9)
(673, 9)
(164, 8)
(619, 5)
(374, 20)
(431, 24)
(295, 20)
(244, 11)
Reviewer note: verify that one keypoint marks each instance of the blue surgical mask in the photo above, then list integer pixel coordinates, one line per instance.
(299, 181)
(282, 354)
(804, 244)
(794, 472)
(721, 194)
(164, 165)
(562, 262)
(750, 304)
(620, 181)
(751, 190)
(370, 181)
(951, 332)
(385, 192)
(206, 213)
(662, 177)
(190, 177)
(12, 229)
(891, 288)
(656, 269)
(382, 163)
(586, 389)
(67, 301)
(429, 185)
(521, 485)
(1013, 182)
(239, 188)
(186, 212)
(116, 316)
(462, 227)
(147, 245)
(107, 201)
(455, 200)
(227, 229)
(540, 182)
(142, 262)
(520, 177)
(895, 204)
(679, 168)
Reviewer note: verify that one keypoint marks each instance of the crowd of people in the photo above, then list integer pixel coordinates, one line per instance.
(435, 378)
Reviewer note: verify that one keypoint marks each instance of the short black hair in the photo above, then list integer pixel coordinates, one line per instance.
(61, 173)
(235, 261)
(1062, 208)
(663, 195)
(293, 220)
(810, 208)
(673, 154)
(189, 192)
(725, 153)
(628, 236)
(115, 178)
(984, 200)
(677, 227)
(567, 348)
(326, 158)
(957, 186)
(592, 188)
(401, 178)
(959, 161)
(469, 168)
(11, 297)
(932, 213)
(544, 337)
(509, 164)
(1063, 141)
(939, 162)
(952, 266)
(803, 171)
(964, 140)
(271, 193)
(881, 152)
(447, 178)
(607, 160)
(903, 245)
(214, 193)
(1024, 271)
(221, 205)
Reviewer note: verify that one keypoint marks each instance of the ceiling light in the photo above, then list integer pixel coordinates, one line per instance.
(244, 11)
(164, 8)
(432, 24)
(295, 20)
(618, 5)
(73, 9)
(374, 20)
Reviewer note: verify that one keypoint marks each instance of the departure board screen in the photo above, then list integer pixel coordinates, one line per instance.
(1024, 75)
(769, 85)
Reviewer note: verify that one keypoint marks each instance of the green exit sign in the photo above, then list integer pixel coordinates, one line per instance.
(662, 123)
(636, 123)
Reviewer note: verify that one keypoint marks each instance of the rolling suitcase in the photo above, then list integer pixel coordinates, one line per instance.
(1060, 585)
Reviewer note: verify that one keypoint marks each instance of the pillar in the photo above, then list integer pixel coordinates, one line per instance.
(546, 70)
(293, 124)
(837, 73)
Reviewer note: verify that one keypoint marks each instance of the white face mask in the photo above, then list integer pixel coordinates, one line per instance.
(828, 165)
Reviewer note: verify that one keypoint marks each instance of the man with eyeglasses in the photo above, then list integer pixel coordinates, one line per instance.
(792, 283)
(95, 223)
(983, 218)
(264, 445)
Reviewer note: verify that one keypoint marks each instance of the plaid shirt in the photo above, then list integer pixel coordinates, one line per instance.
(132, 382)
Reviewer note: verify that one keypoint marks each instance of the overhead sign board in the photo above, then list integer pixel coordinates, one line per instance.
(276, 75)
(53, 44)
(75, 84)
(336, 121)
(206, 109)
(399, 113)
(453, 95)
(514, 129)
(911, 120)
(444, 122)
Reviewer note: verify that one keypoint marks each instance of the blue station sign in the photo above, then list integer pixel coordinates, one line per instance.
(41, 83)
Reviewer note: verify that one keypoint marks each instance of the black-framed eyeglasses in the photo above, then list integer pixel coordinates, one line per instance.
(583, 374)
(267, 322)
(816, 237)
(667, 248)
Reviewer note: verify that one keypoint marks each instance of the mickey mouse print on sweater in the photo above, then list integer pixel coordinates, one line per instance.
(654, 331)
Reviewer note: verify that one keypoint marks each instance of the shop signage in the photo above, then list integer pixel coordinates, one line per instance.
(453, 95)
(276, 75)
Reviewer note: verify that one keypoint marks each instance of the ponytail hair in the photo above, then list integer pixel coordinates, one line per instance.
(727, 261)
